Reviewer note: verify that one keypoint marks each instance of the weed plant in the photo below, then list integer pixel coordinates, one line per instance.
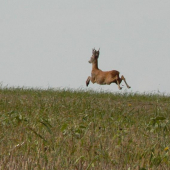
(83, 130)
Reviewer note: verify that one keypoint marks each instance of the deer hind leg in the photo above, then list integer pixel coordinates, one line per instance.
(118, 81)
(122, 77)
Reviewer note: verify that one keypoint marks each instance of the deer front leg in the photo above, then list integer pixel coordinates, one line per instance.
(90, 79)
(122, 77)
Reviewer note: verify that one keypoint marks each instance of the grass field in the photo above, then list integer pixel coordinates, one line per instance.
(77, 130)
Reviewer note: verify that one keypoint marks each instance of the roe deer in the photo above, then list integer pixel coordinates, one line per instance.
(103, 77)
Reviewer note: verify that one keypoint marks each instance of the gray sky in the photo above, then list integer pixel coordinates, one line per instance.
(48, 43)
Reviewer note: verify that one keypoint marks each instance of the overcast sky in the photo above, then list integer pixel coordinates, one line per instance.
(48, 43)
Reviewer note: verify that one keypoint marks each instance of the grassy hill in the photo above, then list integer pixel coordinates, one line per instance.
(66, 129)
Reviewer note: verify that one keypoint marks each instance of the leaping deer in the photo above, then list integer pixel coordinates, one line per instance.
(103, 77)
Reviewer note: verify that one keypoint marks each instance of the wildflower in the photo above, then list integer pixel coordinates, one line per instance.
(129, 104)
(166, 148)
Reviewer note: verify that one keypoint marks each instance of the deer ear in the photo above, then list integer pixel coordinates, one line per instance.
(93, 50)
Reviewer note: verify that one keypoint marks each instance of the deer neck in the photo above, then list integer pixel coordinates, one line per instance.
(95, 65)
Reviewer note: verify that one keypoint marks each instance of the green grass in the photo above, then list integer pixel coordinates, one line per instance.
(78, 130)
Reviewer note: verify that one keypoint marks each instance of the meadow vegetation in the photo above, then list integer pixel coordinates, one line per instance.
(83, 130)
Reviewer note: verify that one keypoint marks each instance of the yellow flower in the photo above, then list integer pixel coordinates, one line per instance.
(129, 104)
(166, 148)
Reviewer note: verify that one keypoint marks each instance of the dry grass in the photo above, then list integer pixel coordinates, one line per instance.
(76, 130)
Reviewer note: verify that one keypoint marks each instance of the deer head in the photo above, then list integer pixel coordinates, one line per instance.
(95, 55)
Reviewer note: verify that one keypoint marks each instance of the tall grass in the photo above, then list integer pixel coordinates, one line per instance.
(67, 129)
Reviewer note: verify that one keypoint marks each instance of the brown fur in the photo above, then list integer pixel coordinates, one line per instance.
(103, 77)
